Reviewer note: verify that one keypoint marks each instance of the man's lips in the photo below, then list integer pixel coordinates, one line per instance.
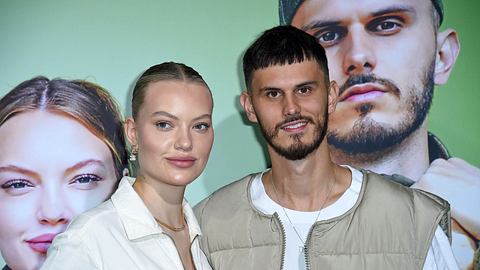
(362, 92)
(294, 126)
(41, 243)
(182, 162)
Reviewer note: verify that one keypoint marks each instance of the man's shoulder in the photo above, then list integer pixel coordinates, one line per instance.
(390, 187)
(396, 198)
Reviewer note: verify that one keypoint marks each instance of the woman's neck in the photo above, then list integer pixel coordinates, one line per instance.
(164, 201)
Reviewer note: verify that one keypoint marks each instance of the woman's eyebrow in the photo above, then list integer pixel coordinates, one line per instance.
(166, 114)
(17, 169)
(84, 163)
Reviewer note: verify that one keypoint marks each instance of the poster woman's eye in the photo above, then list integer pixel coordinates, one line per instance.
(17, 186)
(85, 181)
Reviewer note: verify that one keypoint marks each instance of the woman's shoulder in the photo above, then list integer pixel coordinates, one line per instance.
(93, 222)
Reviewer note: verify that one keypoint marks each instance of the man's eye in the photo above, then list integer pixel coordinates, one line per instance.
(386, 25)
(272, 94)
(330, 36)
(163, 125)
(304, 90)
(86, 179)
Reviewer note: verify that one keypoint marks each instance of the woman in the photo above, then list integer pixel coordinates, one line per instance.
(147, 224)
(62, 151)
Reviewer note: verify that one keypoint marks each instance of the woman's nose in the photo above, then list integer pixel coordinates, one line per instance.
(53, 209)
(184, 141)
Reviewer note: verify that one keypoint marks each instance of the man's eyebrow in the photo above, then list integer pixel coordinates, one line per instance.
(383, 11)
(269, 88)
(306, 84)
(319, 24)
(394, 9)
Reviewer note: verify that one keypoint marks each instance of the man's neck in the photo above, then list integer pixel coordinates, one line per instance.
(410, 158)
(308, 184)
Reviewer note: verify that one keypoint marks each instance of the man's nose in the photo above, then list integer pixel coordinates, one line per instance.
(358, 52)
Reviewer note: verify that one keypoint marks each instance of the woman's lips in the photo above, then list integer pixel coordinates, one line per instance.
(41, 243)
(181, 162)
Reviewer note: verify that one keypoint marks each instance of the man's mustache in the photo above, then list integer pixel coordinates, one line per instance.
(369, 78)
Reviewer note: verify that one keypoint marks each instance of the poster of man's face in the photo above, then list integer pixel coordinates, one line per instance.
(387, 55)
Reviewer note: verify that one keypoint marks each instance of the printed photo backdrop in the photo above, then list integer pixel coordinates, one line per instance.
(111, 42)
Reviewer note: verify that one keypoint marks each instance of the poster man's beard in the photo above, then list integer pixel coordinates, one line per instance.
(297, 150)
(369, 137)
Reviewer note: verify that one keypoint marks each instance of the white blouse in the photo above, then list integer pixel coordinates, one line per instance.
(121, 234)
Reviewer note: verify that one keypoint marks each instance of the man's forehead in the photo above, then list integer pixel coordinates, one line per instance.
(346, 10)
(309, 10)
(287, 75)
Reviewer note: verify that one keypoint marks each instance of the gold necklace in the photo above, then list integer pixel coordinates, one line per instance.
(302, 248)
(170, 227)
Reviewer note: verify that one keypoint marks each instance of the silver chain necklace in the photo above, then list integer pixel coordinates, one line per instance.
(302, 248)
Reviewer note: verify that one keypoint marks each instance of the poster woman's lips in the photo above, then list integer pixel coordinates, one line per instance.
(41, 243)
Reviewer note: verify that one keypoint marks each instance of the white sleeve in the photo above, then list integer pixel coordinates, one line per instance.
(440, 254)
(66, 253)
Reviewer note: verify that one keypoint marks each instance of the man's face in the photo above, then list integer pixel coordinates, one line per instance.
(290, 103)
(382, 54)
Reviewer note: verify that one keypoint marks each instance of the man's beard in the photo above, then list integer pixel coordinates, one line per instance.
(370, 138)
(297, 150)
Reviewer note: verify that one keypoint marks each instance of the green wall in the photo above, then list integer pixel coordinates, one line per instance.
(455, 114)
(112, 42)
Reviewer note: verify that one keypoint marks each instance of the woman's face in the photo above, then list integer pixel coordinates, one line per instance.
(173, 131)
(51, 169)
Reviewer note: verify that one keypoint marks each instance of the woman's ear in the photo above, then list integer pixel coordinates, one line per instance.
(448, 48)
(130, 131)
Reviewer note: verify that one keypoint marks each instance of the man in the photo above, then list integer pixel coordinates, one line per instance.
(387, 55)
(307, 212)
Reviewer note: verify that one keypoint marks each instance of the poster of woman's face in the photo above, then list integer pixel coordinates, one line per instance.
(52, 168)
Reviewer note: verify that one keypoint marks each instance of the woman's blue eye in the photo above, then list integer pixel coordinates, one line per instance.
(17, 184)
(202, 126)
(86, 179)
(163, 125)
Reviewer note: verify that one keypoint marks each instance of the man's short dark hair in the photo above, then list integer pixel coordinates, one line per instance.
(288, 8)
(282, 45)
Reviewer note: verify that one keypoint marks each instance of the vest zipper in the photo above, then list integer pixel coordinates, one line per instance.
(305, 248)
(284, 240)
